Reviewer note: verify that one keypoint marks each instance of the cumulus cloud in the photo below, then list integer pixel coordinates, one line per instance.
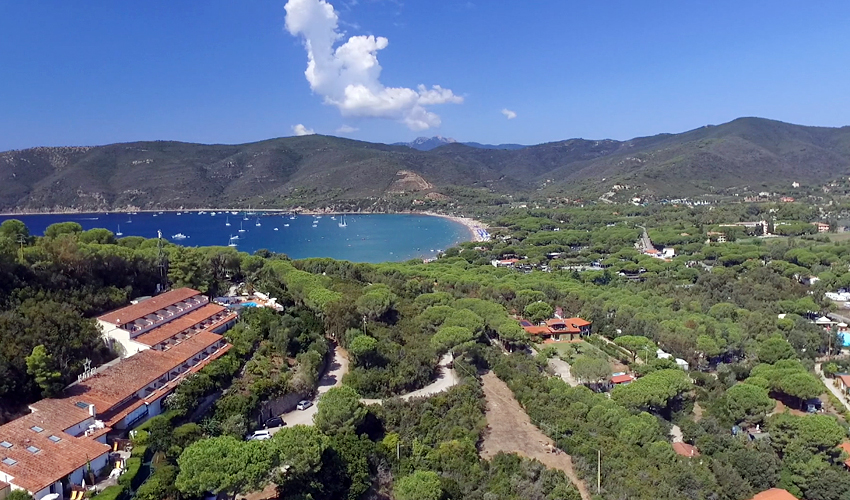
(348, 75)
(346, 129)
(510, 115)
(302, 130)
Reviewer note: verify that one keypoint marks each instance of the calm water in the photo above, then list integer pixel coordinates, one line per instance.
(366, 238)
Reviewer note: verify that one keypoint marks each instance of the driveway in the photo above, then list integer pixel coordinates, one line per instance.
(332, 378)
(829, 385)
(562, 369)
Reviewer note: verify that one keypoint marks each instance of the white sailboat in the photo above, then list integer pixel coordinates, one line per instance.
(227, 221)
(241, 229)
(119, 233)
(342, 223)
(232, 242)
(258, 222)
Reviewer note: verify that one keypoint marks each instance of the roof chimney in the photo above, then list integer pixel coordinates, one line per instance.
(91, 411)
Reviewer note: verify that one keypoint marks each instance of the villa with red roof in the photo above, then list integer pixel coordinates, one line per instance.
(557, 329)
(163, 340)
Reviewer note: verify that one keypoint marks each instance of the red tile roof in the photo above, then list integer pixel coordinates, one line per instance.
(845, 446)
(774, 494)
(120, 382)
(845, 379)
(135, 311)
(175, 326)
(537, 330)
(114, 394)
(685, 450)
(577, 322)
(51, 460)
(619, 379)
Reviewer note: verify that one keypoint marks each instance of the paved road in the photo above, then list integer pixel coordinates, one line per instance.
(339, 367)
(829, 385)
(446, 379)
(332, 378)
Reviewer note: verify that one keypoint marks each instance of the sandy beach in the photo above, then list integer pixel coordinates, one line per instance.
(473, 225)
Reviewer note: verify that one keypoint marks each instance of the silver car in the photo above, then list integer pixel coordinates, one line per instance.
(303, 405)
(260, 436)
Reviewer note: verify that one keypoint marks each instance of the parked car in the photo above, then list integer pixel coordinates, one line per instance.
(275, 422)
(813, 405)
(303, 405)
(259, 436)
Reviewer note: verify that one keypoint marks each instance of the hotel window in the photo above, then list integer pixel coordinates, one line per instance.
(55, 439)
(9, 461)
(36, 428)
(6, 444)
(33, 449)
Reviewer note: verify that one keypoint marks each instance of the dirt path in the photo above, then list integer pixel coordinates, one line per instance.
(509, 429)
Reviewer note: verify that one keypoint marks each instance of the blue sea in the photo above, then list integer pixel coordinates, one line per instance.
(365, 237)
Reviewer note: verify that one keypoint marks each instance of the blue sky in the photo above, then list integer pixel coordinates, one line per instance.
(96, 72)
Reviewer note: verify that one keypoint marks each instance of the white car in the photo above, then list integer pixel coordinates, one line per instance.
(303, 405)
(260, 436)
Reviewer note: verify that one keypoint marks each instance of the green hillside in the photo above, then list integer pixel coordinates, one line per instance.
(320, 170)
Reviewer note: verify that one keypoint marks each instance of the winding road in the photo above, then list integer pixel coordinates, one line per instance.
(339, 367)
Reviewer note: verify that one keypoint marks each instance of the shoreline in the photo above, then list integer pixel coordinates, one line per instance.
(474, 227)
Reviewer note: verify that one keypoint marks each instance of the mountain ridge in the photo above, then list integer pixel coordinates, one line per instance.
(430, 143)
(316, 170)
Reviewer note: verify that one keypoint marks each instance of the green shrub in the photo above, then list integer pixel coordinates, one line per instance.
(115, 492)
(127, 478)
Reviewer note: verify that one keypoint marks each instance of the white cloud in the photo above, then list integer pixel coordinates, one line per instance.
(510, 115)
(347, 129)
(302, 130)
(348, 75)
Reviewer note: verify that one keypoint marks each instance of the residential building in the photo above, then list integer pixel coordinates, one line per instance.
(622, 378)
(774, 494)
(842, 380)
(716, 236)
(822, 227)
(558, 329)
(163, 339)
(845, 447)
(685, 449)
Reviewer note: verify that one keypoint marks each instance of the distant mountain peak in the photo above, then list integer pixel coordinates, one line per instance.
(436, 138)
(429, 143)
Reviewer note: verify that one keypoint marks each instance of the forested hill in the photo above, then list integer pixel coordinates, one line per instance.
(319, 170)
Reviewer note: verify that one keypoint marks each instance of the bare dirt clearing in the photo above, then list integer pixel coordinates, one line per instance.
(509, 430)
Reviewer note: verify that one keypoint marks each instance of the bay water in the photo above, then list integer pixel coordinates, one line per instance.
(353, 237)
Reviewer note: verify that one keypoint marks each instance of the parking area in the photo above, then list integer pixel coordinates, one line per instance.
(332, 378)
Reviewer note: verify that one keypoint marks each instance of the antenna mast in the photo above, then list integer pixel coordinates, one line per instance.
(162, 262)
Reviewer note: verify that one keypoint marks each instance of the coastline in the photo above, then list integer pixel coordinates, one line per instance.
(475, 227)
(472, 225)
